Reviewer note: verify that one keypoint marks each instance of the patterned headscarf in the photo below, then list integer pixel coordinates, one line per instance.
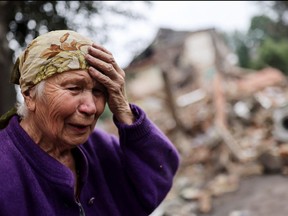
(50, 53)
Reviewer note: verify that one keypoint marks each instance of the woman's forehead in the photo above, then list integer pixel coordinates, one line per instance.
(74, 76)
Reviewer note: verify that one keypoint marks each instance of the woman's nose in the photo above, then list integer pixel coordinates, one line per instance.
(87, 104)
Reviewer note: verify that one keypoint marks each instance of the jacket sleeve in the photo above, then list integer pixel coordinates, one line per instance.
(150, 159)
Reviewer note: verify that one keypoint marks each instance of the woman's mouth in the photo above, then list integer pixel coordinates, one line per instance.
(80, 128)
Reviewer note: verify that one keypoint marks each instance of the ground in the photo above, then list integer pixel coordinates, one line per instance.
(265, 195)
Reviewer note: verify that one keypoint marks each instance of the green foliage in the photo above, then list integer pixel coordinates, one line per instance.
(271, 45)
(241, 49)
(107, 114)
(262, 24)
(265, 44)
(272, 53)
(243, 55)
(28, 19)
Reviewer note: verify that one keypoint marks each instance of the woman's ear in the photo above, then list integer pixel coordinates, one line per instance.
(29, 99)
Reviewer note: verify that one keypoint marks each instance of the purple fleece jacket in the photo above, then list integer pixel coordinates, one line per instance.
(125, 176)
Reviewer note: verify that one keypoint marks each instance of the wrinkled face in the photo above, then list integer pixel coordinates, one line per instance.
(71, 103)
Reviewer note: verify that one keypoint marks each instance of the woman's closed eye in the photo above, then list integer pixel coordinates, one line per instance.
(98, 91)
(74, 88)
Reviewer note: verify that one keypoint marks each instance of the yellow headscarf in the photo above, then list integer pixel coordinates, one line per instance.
(50, 53)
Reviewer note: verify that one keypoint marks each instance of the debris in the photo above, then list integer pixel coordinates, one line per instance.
(227, 122)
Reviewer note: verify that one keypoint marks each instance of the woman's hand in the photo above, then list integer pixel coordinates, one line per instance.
(105, 70)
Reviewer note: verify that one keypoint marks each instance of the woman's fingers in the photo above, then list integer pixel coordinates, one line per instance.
(102, 66)
(105, 70)
(103, 60)
(99, 47)
(100, 77)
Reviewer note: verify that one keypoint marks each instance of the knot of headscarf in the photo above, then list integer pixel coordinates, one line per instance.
(53, 52)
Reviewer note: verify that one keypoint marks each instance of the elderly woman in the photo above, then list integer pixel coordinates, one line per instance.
(54, 161)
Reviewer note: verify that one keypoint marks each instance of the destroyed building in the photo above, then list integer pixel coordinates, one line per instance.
(230, 121)
(183, 77)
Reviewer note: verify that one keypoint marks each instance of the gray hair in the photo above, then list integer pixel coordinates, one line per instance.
(21, 106)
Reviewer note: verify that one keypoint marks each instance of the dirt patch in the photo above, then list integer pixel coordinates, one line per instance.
(264, 195)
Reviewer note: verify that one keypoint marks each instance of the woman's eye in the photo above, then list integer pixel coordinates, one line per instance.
(97, 91)
(74, 88)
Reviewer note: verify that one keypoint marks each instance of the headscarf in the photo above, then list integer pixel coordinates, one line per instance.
(53, 52)
(50, 53)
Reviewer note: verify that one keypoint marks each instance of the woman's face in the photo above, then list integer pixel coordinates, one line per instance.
(69, 108)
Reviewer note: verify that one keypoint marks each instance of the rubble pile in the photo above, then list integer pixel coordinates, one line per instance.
(252, 140)
(227, 122)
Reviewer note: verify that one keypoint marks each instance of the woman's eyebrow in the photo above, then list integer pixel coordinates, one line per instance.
(74, 80)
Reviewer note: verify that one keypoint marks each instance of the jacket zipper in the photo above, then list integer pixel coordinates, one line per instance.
(81, 209)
